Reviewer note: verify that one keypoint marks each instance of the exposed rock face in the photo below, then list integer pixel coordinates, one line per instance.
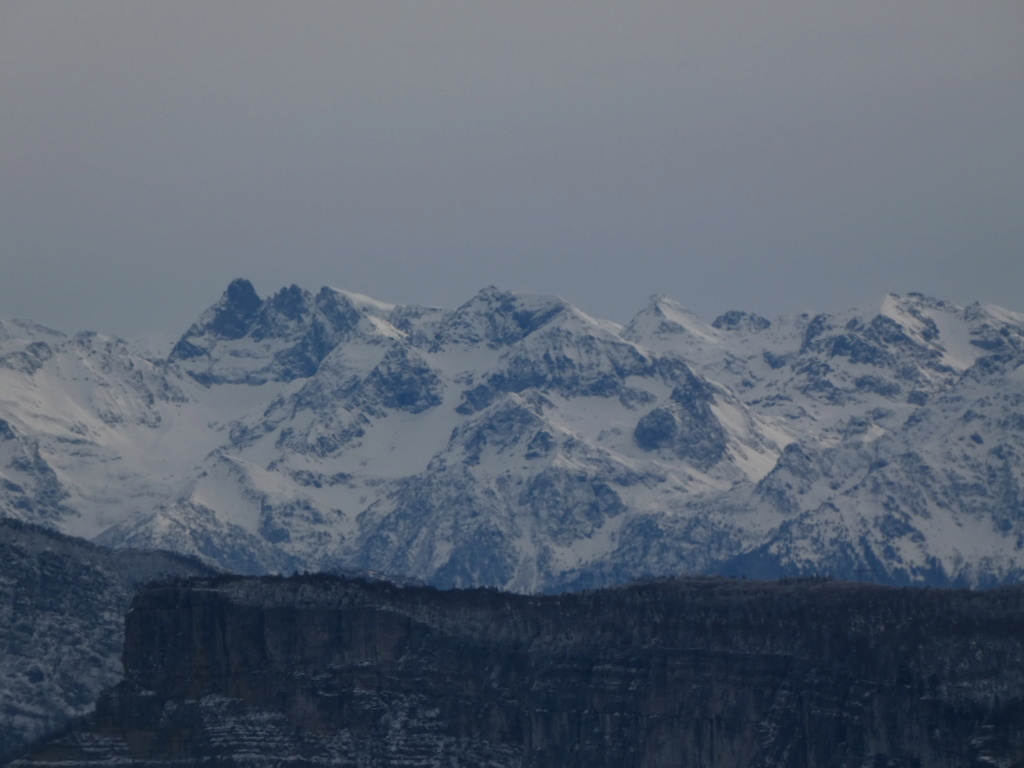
(318, 670)
(734, 320)
(62, 604)
(309, 327)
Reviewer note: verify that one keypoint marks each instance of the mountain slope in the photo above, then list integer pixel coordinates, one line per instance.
(516, 441)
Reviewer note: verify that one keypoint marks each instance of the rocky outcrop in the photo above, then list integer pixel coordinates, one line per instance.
(281, 338)
(723, 673)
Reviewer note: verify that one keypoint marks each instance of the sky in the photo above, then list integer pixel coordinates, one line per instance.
(769, 155)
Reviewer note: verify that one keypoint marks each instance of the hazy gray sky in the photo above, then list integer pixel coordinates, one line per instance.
(771, 155)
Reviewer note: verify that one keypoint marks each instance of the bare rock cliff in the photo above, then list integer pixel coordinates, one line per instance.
(701, 672)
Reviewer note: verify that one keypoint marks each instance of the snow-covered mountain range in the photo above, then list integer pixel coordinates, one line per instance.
(516, 441)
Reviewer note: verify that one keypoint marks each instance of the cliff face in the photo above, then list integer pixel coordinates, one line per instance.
(318, 670)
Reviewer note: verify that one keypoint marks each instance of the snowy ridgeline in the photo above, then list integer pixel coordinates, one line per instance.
(516, 441)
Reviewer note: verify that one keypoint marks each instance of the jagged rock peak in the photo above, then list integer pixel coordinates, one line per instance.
(243, 339)
(292, 302)
(663, 318)
(235, 311)
(230, 317)
(923, 300)
(735, 320)
(664, 306)
(499, 318)
(241, 293)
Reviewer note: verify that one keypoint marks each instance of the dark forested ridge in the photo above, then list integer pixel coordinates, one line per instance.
(62, 605)
(694, 672)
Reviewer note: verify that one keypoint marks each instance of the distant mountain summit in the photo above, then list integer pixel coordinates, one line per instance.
(516, 441)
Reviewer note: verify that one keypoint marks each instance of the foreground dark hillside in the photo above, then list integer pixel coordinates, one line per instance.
(699, 672)
(62, 605)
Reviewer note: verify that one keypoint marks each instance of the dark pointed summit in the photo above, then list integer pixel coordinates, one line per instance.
(242, 294)
(230, 318)
(236, 310)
